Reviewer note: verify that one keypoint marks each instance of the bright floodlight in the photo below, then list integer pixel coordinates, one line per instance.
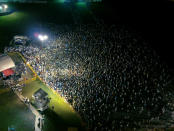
(40, 37)
(5, 6)
(0, 7)
(43, 37)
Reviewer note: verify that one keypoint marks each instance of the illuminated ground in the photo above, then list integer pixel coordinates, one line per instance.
(21, 22)
(13, 112)
(62, 116)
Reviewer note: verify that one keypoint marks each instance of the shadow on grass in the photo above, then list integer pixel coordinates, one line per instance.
(53, 122)
(13, 112)
(6, 13)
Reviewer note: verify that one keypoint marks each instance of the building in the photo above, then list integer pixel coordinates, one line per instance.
(6, 65)
(41, 99)
(6, 62)
(20, 40)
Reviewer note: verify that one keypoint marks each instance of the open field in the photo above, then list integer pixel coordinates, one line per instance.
(25, 21)
(148, 19)
(13, 112)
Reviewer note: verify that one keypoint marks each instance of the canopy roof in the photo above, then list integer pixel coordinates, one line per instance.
(6, 62)
(8, 72)
(40, 94)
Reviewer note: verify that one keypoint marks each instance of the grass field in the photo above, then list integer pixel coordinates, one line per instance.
(24, 20)
(62, 116)
(13, 112)
(28, 18)
(11, 25)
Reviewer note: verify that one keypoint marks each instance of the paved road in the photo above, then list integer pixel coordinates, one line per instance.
(38, 118)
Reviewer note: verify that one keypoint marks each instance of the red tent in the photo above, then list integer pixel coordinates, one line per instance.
(8, 72)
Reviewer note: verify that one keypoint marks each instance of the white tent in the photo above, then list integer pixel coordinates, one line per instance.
(6, 62)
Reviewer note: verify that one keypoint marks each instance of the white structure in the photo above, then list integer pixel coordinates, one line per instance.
(20, 37)
(20, 40)
(6, 62)
(3, 8)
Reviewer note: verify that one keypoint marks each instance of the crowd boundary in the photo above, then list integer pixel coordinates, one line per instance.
(27, 81)
(37, 76)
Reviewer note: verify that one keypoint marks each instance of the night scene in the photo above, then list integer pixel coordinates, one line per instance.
(86, 65)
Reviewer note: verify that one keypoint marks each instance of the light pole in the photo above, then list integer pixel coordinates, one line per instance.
(42, 38)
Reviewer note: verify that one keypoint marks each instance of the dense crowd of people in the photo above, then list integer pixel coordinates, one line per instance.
(111, 78)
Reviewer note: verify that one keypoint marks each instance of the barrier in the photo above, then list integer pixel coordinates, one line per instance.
(42, 79)
(37, 76)
(27, 81)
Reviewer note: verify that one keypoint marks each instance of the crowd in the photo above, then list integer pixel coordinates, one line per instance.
(111, 78)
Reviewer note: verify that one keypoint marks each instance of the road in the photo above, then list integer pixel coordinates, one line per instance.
(38, 117)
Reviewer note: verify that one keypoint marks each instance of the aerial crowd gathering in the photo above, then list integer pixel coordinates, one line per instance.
(111, 78)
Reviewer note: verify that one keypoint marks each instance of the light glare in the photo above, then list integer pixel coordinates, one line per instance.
(43, 37)
(5, 6)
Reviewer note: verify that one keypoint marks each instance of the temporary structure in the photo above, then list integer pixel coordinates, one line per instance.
(8, 72)
(6, 62)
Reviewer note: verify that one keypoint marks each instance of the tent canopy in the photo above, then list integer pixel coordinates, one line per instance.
(8, 72)
(6, 62)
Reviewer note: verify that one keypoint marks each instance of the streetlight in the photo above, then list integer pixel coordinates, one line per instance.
(42, 38)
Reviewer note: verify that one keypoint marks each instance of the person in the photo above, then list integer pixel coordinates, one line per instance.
(104, 70)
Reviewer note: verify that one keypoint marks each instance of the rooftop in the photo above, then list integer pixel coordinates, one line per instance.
(40, 94)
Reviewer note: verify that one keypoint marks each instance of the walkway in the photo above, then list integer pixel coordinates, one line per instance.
(38, 119)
